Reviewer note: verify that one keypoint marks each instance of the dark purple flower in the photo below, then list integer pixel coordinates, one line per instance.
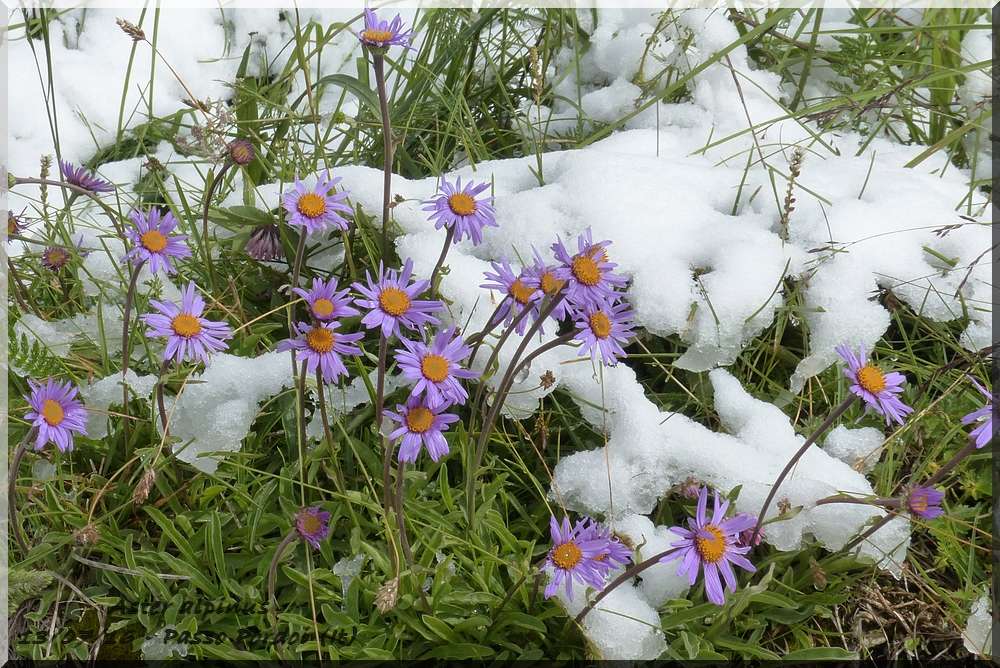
(325, 303)
(548, 281)
(575, 557)
(265, 243)
(189, 336)
(878, 390)
(81, 177)
(434, 369)
(55, 258)
(383, 34)
(320, 347)
(711, 545)
(925, 502)
(615, 552)
(152, 242)
(602, 329)
(316, 209)
(241, 151)
(313, 525)
(589, 276)
(56, 412)
(457, 208)
(984, 432)
(419, 424)
(520, 291)
(393, 301)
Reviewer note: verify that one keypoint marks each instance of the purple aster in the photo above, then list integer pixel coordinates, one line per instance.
(877, 389)
(420, 424)
(604, 329)
(265, 243)
(925, 502)
(984, 432)
(575, 557)
(434, 368)
(81, 177)
(55, 258)
(392, 301)
(546, 277)
(711, 544)
(520, 291)
(615, 552)
(589, 275)
(189, 336)
(320, 348)
(316, 209)
(457, 208)
(313, 525)
(325, 303)
(151, 240)
(56, 412)
(383, 34)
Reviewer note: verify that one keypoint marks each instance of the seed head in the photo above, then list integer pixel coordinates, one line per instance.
(387, 596)
(132, 30)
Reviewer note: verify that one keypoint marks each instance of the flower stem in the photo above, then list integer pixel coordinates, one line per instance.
(159, 398)
(387, 446)
(272, 570)
(126, 357)
(378, 63)
(15, 464)
(204, 222)
(627, 575)
(827, 423)
(444, 253)
(495, 353)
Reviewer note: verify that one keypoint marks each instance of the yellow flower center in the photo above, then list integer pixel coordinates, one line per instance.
(153, 241)
(599, 253)
(311, 205)
(566, 556)
(11, 223)
(394, 301)
(585, 270)
(322, 307)
(550, 284)
(376, 35)
(871, 378)
(52, 411)
(186, 325)
(462, 204)
(711, 549)
(600, 325)
(521, 292)
(918, 503)
(320, 339)
(419, 419)
(57, 257)
(311, 524)
(434, 368)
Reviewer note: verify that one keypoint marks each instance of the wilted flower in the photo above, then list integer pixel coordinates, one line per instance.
(984, 432)
(241, 151)
(265, 243)
(55, 258)
(746, 537)
(151, 240)
(320, 347)
(419, 424)
(383, 34)
(519, 292)
(312, 524)
(88, 535)
(925, 502)
(316, 209)
(81, 178)
(189, 336)
(387, 596)
(434, 369)
(56, 413)
(878, 390)
(711, 545)
(393, 301)
(602, 329)
(457, 208)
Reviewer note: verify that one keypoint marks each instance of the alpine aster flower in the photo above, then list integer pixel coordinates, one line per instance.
(151, 240)
(878, 390)
(711, 545)
(589, 275)
(265, 243)
(241, 151)
(545, 275)
(189, 336)
(575, 557)
(316, 209)
(419, 424)
(81, 178)
(55, 258)
(519, 292)
(313, 525)
(457, 207)
(615, 552)
(602, 329)
(383, 34)
(56, 412)
(984, 432)
(434, 368)
(925, 502)
(320, 347)
(325, 303)
(393, 301)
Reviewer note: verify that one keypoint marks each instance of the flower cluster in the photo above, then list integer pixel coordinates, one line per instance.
(584, 553)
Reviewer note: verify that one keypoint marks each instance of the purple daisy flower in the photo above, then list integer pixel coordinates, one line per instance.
(434, 368)
(320, 348)
(265, 243)
(393, 301)
(55, 258)
(313, 525)
(575, 557)
(603, 329)
(56, 412)
(925, 502)
(151, 240)
(457, 207)
(82, 178)
(589, 275)
(520, 290)
(711, 544)
(547, 279)
(189, 336)
(877, 389)
(316, 209)
(325, 303)
(419, 424)
(616, 553)
(383, 34)
(984, 432)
